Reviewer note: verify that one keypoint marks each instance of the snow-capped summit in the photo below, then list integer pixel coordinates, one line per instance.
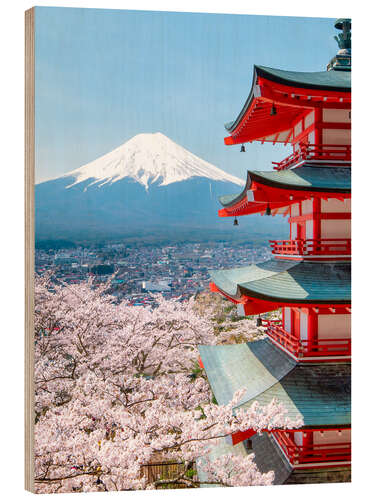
(148, 159)
(150, 187)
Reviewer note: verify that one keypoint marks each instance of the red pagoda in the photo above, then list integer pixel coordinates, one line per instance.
(305, 361)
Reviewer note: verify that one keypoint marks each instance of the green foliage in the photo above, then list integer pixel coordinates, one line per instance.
(190, 473)
(196, 371)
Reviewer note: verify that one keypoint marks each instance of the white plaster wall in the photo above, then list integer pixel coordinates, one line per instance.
(336, 115)
(309, 229)
(333, 205)
(336, 136)
(340, 228)
(298, 128)
(328, 437)
(309, 120)
(294, 209)
(334, 326)
(298, 436)
(283, 136)
(307, 207)
(311, 137)
(303, 325)
(287, 319)
(294, 230)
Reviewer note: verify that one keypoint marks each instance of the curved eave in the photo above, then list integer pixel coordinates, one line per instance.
(294, 92)
(244, 292)
(320, 80)
(281, 189)
(257, 303)
(318, 393)
(231, 126)
(275, 179)
(231, 200)
(284, 282)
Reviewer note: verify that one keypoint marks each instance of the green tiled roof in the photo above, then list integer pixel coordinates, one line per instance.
(223, 448)
(308, 177)
(320, 393)
(255, 365)
(324, 80)
(269, 457)
(288, 281)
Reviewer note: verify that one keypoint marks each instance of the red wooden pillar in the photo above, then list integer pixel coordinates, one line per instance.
(307, 443)
(318, 125)
(312, 328)
(317, 209)
(295, 327)
(295, 322)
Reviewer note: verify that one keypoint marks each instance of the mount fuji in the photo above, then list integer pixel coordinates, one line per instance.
(148, 185)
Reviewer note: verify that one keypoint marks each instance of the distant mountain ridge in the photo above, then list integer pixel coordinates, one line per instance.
(148, 185)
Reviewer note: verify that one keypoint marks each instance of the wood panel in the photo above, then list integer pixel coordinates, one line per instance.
(29, 244)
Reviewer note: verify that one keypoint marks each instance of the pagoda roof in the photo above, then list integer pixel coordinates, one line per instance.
(224, 447)
(295, 93)
(269, 457)
(287, 282)
(320, 393)
(324, 80)
(306, 178)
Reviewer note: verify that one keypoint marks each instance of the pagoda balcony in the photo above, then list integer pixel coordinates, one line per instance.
(328, 347)
(327, 247)
(316, 152)
(312, 453)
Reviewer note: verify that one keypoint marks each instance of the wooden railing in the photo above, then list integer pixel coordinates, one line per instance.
(315, 152)
(307, 348)
(330, 452)
(326, 246)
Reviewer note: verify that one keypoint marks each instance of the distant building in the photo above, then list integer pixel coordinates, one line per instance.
(160, 286)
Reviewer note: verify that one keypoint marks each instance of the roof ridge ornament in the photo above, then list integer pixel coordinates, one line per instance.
(343, 59)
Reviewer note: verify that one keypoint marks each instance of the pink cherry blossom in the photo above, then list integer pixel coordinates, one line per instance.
(117, 385)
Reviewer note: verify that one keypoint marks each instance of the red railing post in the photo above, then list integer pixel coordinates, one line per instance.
(310, 453)
(302, 348)
(339, 152)
(305, 247)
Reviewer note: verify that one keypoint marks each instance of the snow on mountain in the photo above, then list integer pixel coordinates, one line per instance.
(149, 187)
(148, 159)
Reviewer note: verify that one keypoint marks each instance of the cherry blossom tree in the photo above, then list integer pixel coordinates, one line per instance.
(116, 385)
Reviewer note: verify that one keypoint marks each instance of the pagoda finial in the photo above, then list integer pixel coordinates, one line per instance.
(343, 59)
(344, 39)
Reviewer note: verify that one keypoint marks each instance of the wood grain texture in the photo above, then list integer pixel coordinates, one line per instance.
(29, 244)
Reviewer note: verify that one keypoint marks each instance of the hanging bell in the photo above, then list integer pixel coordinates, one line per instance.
(243, 150)
(235, 222)
(273, 110)
(268, 210)
(259, 321)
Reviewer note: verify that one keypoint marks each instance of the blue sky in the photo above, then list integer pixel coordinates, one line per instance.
(103, 76)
